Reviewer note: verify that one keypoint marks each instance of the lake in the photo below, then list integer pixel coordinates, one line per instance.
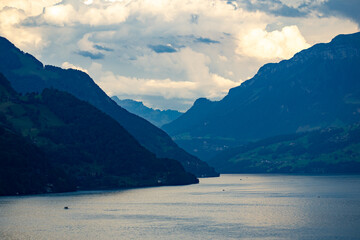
(228, 207)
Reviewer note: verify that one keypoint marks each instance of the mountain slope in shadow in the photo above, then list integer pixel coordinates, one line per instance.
(27, 74)
(77, 138)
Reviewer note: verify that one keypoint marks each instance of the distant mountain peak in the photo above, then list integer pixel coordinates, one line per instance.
(155, 116)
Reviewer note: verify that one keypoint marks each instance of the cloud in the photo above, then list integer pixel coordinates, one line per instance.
(194, 18)
(67, 65)
(348, 8)
(90, 49)
(162, 48)
(60, 15)
(99, 47)
(275, 7)
(119, 85)
(91, 55)
(73, 12)
(200, 81)
(10, 20)
(206, 40)
(279, 44)
(171, 49)
(29, 7)
(304, 8)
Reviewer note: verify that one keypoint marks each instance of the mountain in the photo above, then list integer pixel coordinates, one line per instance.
(25, 169)
(27, 74)
(319, 87)
(330, 150)
(74, 136)
(156, 117)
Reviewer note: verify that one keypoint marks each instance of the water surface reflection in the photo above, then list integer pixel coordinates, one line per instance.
(229, 207)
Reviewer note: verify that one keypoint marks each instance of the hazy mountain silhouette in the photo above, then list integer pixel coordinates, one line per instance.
(156, 117)
(319, 87)
(27, 74)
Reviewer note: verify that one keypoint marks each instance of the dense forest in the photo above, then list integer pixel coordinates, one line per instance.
(61, 134)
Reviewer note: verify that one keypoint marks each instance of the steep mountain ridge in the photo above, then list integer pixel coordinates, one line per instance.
(87, 144)
(319, 87)
(27, 74)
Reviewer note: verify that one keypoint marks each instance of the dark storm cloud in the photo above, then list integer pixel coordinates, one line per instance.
(162, 48)
(91, 55)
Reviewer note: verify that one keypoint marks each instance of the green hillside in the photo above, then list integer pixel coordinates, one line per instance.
(330, 150)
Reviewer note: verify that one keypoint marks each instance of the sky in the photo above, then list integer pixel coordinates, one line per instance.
(168, 53)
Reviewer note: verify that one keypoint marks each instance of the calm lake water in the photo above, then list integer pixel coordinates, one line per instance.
(229, 207)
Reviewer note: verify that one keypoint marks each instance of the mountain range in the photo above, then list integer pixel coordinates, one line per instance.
(317, 88)
(155, 116)
(59, 131)
(61, 143)
(26, 74)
